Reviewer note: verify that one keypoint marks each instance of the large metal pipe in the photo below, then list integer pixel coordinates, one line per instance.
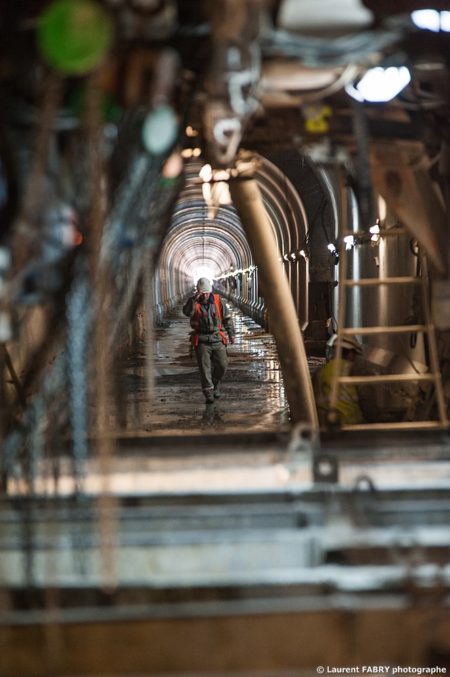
(283, 321)
(401, 177)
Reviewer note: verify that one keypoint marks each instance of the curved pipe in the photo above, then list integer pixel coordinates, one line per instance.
(291, 351)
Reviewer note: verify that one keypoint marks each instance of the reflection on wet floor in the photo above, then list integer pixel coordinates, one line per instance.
(253, 397)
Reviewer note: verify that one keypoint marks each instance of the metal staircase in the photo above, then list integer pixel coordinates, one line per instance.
(427, 328)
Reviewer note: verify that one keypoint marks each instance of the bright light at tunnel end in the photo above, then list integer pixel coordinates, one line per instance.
(202, 271)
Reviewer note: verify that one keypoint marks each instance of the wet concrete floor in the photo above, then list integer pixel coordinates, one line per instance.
(171, 442)
(253, 397)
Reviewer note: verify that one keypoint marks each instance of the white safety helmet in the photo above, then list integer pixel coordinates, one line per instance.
(347, 342)
(204, 285)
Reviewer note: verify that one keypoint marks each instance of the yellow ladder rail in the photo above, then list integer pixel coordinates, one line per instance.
(427, 328)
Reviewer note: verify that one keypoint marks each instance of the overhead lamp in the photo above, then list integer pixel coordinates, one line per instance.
(431, 20)
(191, 152)
(331, 247)
(215, 189)
(349, 241)
(205, 173)
(221, 175)
(445, 21)
(190, 131)
(379, 85)
(375, 232)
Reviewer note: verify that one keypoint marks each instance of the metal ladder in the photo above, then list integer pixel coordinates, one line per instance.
(428, 329)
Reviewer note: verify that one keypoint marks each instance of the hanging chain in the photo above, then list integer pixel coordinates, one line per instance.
(78, 316)
(78, 326)
(101, 279)
(26, 237)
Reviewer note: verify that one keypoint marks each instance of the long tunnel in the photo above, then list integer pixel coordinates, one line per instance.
(208, 239)
(224, 338)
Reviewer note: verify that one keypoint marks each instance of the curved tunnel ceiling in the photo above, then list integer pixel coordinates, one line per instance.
(201, 243)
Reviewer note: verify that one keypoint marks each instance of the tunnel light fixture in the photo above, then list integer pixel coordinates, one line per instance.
(375, 231)
(191, 152)
(190, 131)
(349, 241)
(239, 271)
(221, 175)
(431, 20)
(380, 85)
(295, 255)
(331, 247)
(445, 21)
(215, 188)
(216, 195)
(205, 173)
(221, 193)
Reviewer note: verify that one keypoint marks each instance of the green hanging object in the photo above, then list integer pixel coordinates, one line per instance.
(74, 35)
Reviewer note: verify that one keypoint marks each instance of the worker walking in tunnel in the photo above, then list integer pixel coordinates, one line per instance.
(212, 327)
(348, 409)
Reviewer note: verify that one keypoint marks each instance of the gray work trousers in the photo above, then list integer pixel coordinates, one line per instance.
(212, 361)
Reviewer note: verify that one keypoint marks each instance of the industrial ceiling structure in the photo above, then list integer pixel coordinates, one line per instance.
(296, 152)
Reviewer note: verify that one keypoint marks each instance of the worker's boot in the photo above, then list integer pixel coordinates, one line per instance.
(209, 395)
(217, 391)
